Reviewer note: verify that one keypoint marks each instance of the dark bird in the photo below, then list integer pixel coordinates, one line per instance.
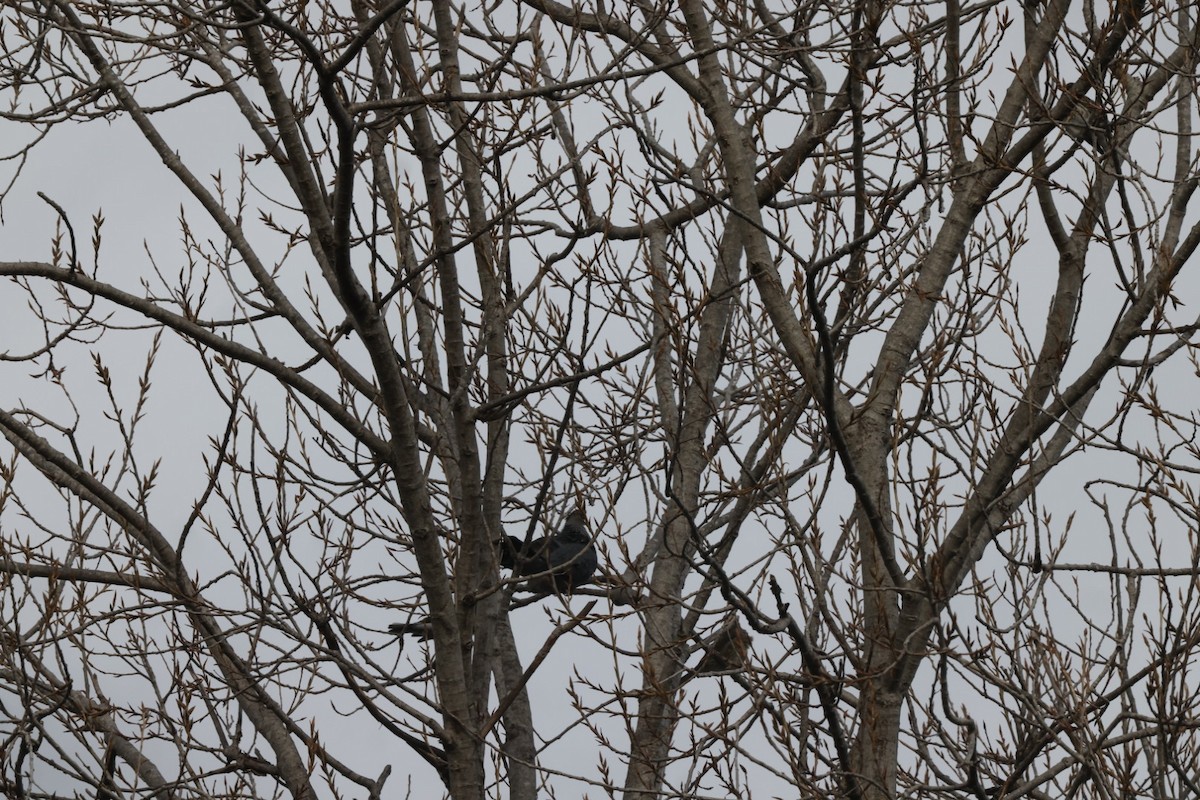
(421, 629)
(554, 565)
(559, 563)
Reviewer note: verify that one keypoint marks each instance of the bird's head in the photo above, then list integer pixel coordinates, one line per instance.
(574, 528)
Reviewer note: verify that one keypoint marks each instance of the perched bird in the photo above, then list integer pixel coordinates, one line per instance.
(555, 564)
(725, 651)
(422, 628)
(559, 563)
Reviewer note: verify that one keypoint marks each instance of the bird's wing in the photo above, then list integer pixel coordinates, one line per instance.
(534, 557)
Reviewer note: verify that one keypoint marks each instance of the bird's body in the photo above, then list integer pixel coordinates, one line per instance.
(558, 563)
(725, 651)
(421, 629)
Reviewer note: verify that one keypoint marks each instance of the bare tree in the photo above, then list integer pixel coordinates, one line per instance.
(789, 299)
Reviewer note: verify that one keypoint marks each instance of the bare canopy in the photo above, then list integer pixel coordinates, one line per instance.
(854, 341)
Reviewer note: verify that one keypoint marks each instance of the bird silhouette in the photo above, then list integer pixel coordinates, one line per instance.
(556, 564)
(560, 563)
(422, 628)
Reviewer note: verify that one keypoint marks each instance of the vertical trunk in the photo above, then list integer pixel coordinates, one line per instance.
(876, 744)
(658, 711)
(662, 647)
(875, 748)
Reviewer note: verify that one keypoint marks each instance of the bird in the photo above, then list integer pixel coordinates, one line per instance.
(557, 564)
(725, 651)
(560, 563)
(422, 628)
